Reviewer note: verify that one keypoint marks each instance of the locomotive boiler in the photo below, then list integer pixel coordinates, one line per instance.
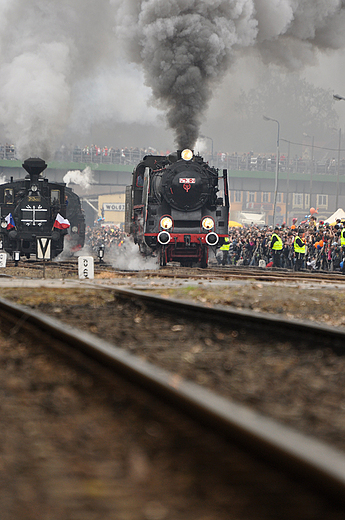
(38, 213)
(173, 208)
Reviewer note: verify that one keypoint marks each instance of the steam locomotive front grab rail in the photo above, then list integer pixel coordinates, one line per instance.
(172, 208)
(35, 209)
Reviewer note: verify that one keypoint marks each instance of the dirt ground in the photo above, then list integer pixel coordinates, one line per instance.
(73, 448)
(319, 303)
(302, 388)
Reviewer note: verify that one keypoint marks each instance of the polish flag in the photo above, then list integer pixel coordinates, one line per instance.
(61, 223)
(10, 221)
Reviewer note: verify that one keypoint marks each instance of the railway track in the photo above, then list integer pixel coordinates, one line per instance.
(313, 470)
(70, 268)
(65, 267)
(251, 273)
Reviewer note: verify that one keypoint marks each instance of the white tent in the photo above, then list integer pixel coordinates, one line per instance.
(340, 213)
(252, 218)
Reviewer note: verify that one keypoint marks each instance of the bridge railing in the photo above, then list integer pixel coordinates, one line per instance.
(237, 162)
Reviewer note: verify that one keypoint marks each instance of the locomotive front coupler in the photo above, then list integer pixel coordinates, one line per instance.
(187, 239)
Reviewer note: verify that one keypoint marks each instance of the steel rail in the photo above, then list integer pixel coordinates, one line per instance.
(313, 462)
(246, 273)
(314, 335)
(252, 272)
(225, 272)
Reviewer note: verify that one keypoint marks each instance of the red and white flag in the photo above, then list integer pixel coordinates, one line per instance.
(61, 223)
(10, 221)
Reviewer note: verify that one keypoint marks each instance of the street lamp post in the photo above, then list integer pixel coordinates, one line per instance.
(277, 168)
(311, 167)
(287, 185)
(338, 173)
(210, 138)
(338, 98)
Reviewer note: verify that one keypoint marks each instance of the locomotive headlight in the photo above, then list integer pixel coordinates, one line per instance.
(166, 223)
(187, 154)
(4, 224)
(34, 187)
(207, 223)
(212, 239)
(74, 229)
(163, 238)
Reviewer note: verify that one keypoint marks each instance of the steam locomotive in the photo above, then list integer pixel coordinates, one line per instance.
(172, 208)
(38, 216)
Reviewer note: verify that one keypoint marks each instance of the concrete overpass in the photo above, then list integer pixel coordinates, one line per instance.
(107, 178)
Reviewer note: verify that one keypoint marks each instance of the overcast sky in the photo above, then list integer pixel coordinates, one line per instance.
(87, 72)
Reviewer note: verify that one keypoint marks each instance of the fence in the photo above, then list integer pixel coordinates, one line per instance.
(248, 162)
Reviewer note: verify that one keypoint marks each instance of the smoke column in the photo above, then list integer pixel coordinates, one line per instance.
(63, 65)
(186, 46)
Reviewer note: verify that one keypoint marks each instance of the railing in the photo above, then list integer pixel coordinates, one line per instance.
(268, 164)
(99, 156)
(246, 162)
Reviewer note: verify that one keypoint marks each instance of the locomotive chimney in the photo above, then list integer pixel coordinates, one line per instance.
(34, 167)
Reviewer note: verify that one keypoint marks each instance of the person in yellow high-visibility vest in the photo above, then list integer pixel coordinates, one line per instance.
(277, 247)
(342, 243)
(225, 250)
(342, 237)
(299, 249)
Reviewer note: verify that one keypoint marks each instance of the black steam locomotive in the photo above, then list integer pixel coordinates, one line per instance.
(38, 216)
(173, 208)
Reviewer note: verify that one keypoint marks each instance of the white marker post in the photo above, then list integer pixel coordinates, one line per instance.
(86, 267)
(3, 258)
(44, 251)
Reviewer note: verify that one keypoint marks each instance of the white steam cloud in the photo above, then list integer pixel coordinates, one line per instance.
(82, 178)
(61, 71)
(63, 68)
(128, 258)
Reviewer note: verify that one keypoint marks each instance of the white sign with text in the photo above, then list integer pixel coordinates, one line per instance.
(3, 258)
(113, 206)
(86, 267)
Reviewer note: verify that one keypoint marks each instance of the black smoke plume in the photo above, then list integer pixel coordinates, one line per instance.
(186, 46)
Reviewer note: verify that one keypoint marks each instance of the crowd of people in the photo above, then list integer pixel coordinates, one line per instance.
(93, 153)
(104, 237)
(313, 245)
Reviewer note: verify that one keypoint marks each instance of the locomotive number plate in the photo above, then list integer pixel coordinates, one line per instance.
(187, 181)
(34, 199)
